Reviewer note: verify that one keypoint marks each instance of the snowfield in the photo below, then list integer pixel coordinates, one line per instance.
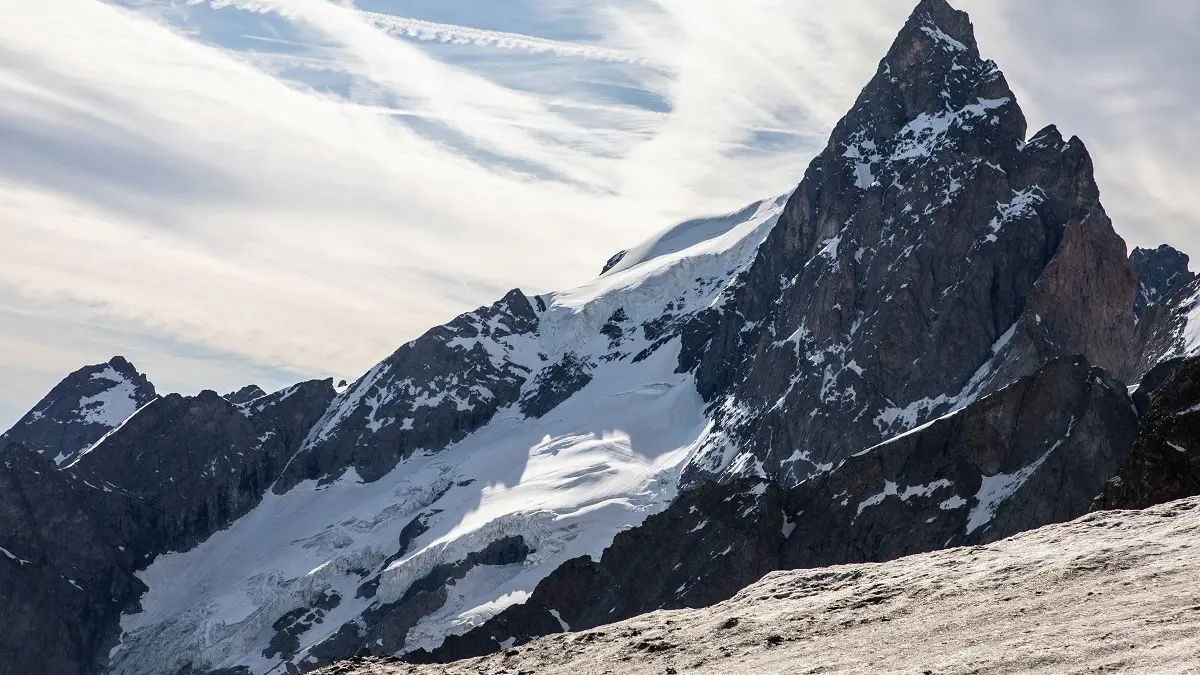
(1191, 335)
(567, 483)
(1112, 592)
(113, 405)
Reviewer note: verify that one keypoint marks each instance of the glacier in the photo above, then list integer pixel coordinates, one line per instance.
(566, 483)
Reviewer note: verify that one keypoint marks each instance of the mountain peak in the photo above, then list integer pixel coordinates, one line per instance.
(938, 21)
(933, 71)
(1160, 272)
(122, 364)
(245, 394)
(81, 408)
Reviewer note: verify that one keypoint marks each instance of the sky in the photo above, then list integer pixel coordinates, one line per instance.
(237, 191)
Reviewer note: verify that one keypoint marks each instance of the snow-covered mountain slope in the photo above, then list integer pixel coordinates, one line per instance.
(81, 409)
(532, 353)
(682, 237)
(562, 481)
(1038, 451)
(1110, 592)
(1170, 330)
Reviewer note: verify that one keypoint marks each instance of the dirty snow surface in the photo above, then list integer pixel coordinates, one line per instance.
(566, 483)
(1111, 592)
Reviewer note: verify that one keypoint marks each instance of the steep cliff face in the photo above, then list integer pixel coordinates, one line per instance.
(1168, 331)
(926, 259)
(65, 573)
(1165, 462)
(1161, 272)
(81, 409)
(1034, 453)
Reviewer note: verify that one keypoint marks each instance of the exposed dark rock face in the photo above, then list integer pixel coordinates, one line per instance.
(1161, 272)
(431, 392)
(197, 463)
(556, 384)
(290, 626)
(613, 262)
(931, 255)
(64, 578)
(77, 412)
(1035, 453)
(245, 394)
(1143, 393)
(1165, 463)
(1168, 330)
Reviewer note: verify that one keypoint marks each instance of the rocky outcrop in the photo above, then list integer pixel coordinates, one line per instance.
(1165, 462)
(385, 626)
(612, 262)
(557, 384)
(245, 394)
(931, 255)
(1035, 453)
(195, 464)
(81, 409)
(1168, 331)
(433, 391)
(1161, 272)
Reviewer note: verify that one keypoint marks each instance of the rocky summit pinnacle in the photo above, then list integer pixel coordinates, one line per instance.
(931, 255)
(1161, 272)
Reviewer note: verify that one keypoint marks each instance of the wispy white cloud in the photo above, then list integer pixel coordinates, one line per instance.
(399, 26)
(270, 189)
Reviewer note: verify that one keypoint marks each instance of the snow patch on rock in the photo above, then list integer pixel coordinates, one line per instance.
(994, 490)
(1191, 333)
(113, 405)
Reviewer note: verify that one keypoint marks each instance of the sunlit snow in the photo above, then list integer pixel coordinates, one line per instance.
(568, 482)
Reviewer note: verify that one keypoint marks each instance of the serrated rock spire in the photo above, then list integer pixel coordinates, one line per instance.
(899, 283)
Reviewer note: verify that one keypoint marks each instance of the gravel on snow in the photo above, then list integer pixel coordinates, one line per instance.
(1112, 592)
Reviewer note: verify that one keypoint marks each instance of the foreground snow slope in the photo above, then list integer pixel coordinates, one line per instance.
(564, 483)
(1114, 591)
